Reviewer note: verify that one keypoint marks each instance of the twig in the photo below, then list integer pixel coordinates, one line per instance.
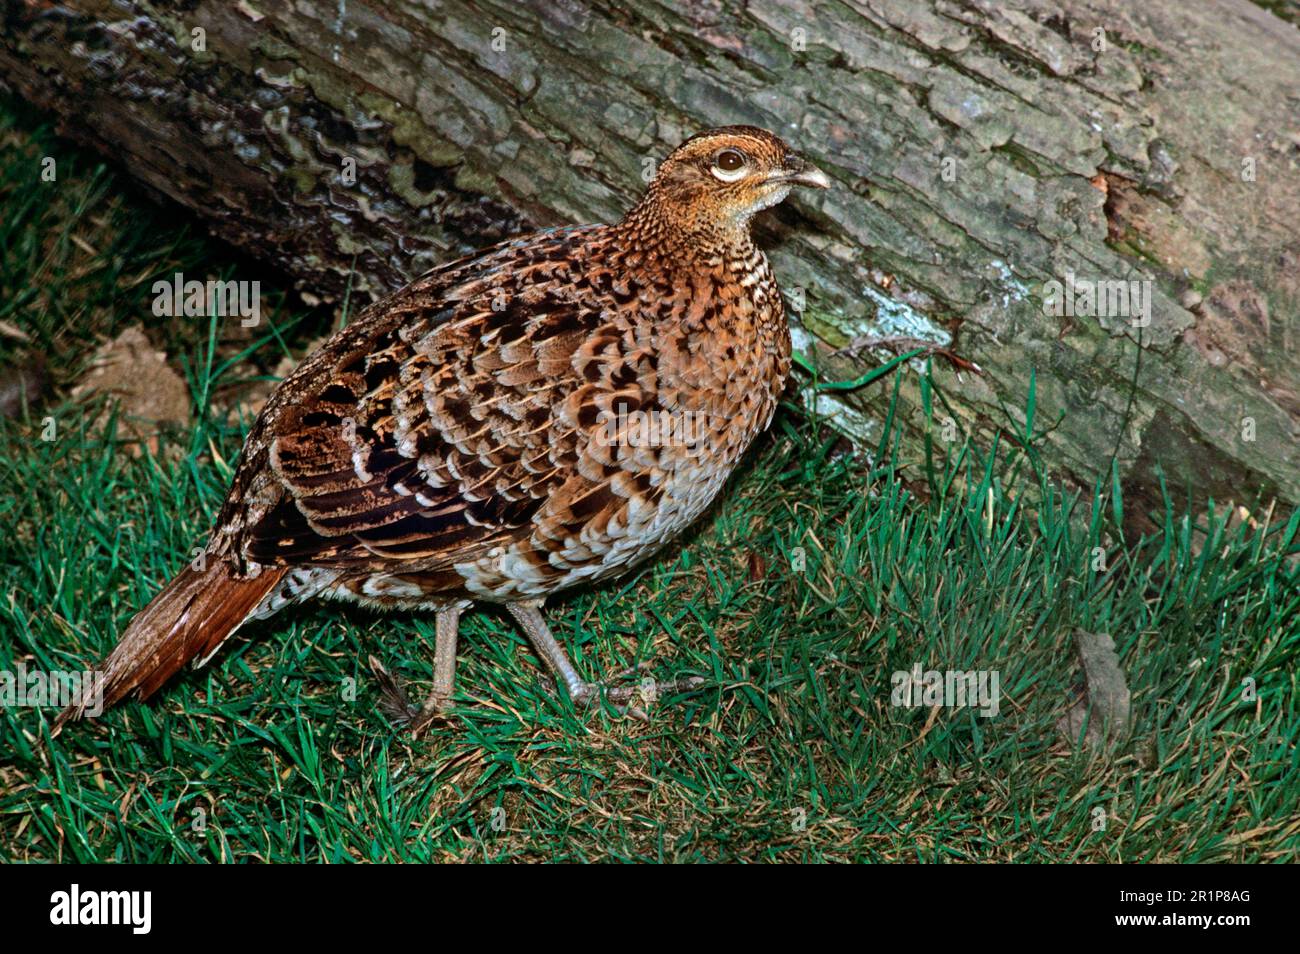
(897, 343)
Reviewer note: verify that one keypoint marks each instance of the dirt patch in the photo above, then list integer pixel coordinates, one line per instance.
(149, 394)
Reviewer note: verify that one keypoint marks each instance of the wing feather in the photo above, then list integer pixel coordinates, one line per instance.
(440, 422)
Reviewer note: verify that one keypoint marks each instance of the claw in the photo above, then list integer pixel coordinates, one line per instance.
(622, 697)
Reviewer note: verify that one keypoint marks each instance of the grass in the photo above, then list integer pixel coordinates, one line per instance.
(815, 578)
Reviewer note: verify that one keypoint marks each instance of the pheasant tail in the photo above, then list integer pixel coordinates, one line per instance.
(189, 618)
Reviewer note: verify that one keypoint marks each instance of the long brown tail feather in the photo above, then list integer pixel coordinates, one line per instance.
(189, 618)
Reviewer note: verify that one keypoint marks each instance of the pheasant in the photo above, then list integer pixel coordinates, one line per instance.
(550, 411)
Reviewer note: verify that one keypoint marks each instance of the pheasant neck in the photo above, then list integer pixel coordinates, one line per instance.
(679, 234)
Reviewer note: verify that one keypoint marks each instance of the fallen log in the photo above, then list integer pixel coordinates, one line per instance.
(1103, 193)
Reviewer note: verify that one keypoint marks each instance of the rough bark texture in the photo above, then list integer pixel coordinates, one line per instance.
(981, 148)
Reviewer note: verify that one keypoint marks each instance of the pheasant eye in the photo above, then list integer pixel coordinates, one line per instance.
(729, 165)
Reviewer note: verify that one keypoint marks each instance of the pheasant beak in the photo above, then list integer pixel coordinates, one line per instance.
(799, 171)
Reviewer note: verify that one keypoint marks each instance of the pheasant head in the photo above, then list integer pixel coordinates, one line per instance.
(709, 188)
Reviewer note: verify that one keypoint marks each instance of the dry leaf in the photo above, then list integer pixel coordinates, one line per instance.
(149, 392)
(1104, 706)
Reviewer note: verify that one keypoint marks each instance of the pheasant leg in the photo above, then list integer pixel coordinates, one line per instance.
(530, 619)
(394, 698)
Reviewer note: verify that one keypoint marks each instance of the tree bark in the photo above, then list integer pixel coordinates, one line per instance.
(980, 149)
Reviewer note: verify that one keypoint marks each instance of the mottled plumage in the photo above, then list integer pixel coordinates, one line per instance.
(547, 412)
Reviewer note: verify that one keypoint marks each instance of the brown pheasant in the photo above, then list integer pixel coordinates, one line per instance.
(547, 412)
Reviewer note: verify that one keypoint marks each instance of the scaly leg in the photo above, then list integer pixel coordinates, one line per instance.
(530, 619)
(394, 699)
